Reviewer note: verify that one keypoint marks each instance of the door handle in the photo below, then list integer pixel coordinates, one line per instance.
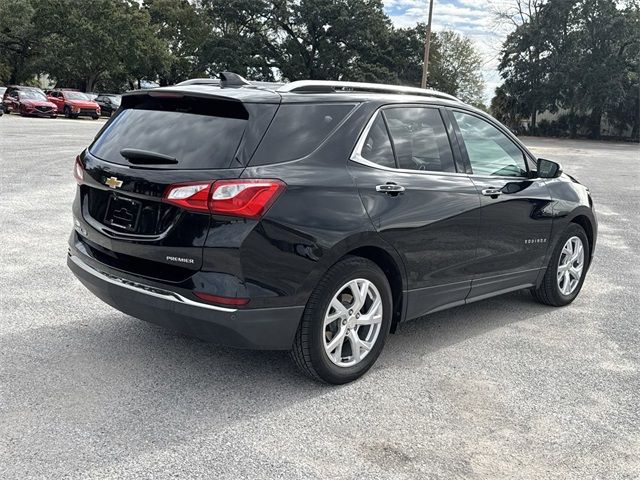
(492, 192)
(390, 188)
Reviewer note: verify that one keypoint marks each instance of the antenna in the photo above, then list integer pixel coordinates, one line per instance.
(233, 80)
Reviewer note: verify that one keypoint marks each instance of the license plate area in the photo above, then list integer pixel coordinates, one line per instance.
(123, 213)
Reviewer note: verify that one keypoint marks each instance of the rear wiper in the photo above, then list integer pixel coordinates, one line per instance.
(145, 157)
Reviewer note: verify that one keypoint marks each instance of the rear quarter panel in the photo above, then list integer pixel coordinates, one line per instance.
(318, 219)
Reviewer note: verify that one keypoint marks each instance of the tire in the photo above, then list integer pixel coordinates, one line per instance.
(309, 352)
(67, 112)
(549, 292)
(95, 117)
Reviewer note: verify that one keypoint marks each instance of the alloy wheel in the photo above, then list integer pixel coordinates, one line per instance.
(570, 265)
(352, 322)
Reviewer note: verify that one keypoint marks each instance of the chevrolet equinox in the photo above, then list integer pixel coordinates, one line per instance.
(316, 216)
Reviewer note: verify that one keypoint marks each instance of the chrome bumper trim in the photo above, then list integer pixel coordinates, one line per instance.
(145, 289)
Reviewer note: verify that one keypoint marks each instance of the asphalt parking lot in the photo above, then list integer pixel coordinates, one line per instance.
(504, 388)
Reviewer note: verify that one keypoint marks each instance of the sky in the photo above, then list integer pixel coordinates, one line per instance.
(472, 18)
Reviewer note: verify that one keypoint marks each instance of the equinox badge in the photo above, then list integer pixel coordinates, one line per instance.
(113, 182)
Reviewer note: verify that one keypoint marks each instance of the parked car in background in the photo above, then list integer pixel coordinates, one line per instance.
(9, 95)
(15, 88)
(2, 90)
(74, 104)
(30, 103)
(109, 103)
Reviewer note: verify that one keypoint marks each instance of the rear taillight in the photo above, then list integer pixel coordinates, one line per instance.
(193, 196)
(78, 170)
(249, 198)
(244, 198)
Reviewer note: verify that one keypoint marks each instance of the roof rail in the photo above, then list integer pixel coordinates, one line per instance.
(319, 86)
(216, 82)
(199, 81)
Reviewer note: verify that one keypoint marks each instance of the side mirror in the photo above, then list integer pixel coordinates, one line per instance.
(548, 169)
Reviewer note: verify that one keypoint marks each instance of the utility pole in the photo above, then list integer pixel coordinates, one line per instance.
(427, 44)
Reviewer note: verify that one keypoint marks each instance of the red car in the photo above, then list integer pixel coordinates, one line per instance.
(29, 102)
(74, 104)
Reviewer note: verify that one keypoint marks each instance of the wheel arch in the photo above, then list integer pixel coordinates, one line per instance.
(391, 269)
(585, 222)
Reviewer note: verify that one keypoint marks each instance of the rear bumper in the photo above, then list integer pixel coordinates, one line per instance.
(260, 329)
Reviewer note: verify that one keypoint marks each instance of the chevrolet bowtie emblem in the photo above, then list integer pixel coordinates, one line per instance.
(113, 182)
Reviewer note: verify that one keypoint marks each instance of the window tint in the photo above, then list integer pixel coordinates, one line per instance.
(490, 151)
(377, 145)
(199, 133)
(298, 130)
(420, 139)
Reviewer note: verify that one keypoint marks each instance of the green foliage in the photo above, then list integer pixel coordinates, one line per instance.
(454, 64)
(316, 39)
(578, 55)
(506, 108)
(112, 44)
(178, 24)
(457, 68)
(237, 38)
(90, 41)
(19, 41)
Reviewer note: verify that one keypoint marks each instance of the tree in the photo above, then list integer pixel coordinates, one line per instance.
(108, 44)
(604, 41)
(580, 55)
(625, 112)
(81, 48)
(523, 66)
(237, 38)
(456, 67)
(180, 27)
(19, 41)
(505, 108)
(404, 56)
(316, 39)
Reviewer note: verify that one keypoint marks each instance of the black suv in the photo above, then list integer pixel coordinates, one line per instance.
(109, 103)
(316, 216)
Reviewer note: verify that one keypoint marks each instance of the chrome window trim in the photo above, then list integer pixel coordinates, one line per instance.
(145, 289)
(358, 158)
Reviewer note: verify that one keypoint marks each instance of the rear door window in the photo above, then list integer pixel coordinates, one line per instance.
(199, 133)
(420, 139)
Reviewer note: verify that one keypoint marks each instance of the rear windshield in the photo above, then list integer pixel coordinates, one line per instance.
(199, 133)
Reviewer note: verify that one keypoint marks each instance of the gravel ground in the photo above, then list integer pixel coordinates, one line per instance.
(504, 388)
